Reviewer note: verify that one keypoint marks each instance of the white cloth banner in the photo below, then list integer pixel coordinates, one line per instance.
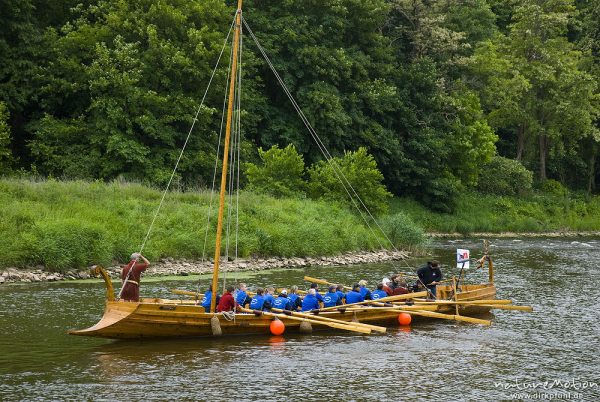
(462, 258)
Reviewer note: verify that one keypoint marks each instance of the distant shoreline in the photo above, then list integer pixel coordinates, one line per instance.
(551, 234)
(172, 267)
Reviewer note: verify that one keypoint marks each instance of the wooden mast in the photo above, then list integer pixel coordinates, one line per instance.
(236, 40)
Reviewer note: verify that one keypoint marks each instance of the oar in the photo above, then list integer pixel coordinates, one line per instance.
(346, 326)
(196, 294)
(404, 306)
(383, 299)
(480, 301)
(186, 293)
(323, 282)
(321, 318)
(447, 316)
(504, 307)
(437, 315)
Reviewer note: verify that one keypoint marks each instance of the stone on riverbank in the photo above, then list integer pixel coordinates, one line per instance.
(168, 266)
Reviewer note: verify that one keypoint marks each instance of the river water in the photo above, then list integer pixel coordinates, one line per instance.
(555, 349)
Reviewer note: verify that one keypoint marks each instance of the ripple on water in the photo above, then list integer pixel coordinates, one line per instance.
(428, 361)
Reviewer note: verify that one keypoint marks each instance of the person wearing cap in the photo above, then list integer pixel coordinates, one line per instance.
(365, 293)
(310, 301)
(379, 293)
(341, 294)
(330, 298)
(282, 302)
(295, 298)
(208, 298)
(354, 295)
(317, 294)
(387, 286)
(131, 274)
(430, 275)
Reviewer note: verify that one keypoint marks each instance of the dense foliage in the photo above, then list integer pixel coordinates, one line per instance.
(101, 89)
(280, 172)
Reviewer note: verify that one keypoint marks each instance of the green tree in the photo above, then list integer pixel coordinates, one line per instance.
(360, 170)
(121, 89)
(280, 172)
(543, 94)
(6, 158)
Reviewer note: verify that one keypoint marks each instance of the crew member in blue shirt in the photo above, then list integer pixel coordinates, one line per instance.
(316, 288)
(258, 300)
(282, 302)
(341, 294)
(354, 295)
(379, 293)
(269, 299)
(295, 298)
(241, 296)
(207, 298)
(331, 298)
(364, 291)
(310, 301)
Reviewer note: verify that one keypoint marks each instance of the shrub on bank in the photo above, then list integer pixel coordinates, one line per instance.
(403, 231)
(504, 176)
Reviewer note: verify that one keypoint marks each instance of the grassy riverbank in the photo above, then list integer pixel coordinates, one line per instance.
(63, 225)
(534, 213)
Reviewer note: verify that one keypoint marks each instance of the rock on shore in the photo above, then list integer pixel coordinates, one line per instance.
(169, 266)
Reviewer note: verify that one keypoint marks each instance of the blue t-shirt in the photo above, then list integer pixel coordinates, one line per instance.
(240, 297)
(296, 302)
(354, 297)
(365, 293)
(270, 299)
(330, 299)
(206, 300)
(257, 302)
(341, 296)
(282, 303)
(310, 302)
(319, 297)
(378, 294)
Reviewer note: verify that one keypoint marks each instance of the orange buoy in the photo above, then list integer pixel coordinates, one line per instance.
(404, 319)
(277, 327)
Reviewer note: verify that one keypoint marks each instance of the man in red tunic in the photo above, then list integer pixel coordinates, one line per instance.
(130, 275)
(227, 302)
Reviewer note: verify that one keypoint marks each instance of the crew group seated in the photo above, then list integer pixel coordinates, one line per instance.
(296, 300)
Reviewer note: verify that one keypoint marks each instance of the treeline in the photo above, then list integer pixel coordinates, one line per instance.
(440, 93)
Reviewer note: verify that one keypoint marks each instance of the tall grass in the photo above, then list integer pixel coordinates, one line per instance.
(63, 225)
(485, 213)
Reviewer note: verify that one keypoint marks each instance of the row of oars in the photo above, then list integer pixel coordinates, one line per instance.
(423, 307)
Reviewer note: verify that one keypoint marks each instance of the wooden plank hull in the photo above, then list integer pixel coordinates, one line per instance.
(159, 318)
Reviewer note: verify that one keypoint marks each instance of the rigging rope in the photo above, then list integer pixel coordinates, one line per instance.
(348, 188)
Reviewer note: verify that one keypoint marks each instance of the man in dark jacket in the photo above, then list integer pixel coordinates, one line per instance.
(430, 275)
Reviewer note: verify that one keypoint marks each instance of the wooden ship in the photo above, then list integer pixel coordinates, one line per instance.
(159, 318)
